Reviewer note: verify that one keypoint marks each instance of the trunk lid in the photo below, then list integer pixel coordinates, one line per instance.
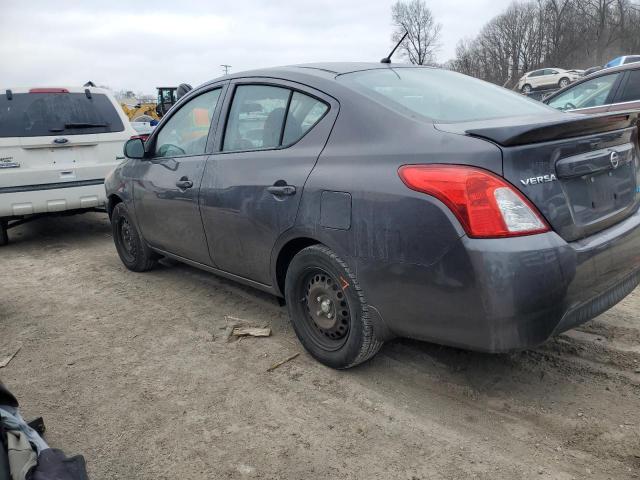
(581, 172)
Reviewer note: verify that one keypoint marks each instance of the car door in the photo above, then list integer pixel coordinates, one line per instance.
(550, 77)
(166, 192)
(273, 134)
(538, 78)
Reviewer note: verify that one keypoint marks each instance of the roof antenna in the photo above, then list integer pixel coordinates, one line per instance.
(387, 59)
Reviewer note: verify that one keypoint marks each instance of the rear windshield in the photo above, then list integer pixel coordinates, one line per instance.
(441, 95)
(45, 114)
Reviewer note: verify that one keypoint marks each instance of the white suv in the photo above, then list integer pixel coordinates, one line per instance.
(546, 78)
(56, 147)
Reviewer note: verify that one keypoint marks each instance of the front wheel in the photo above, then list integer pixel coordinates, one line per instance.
(328, 309)
(132, 249)
(526, 88)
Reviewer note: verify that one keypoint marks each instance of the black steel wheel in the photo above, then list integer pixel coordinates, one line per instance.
(132, 249)
(328, 310)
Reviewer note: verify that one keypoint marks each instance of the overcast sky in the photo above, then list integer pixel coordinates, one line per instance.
(141, 45)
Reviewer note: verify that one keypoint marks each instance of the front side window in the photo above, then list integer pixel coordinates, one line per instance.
(185, 133)
(440, 95)
(592, 93)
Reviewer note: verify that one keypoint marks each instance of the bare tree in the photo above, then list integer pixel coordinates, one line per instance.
(550, 33)
(416, 19)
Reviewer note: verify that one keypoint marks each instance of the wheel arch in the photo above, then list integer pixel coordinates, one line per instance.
(286, 254)
(112, 201)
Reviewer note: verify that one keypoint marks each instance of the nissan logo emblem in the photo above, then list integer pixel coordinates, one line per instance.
(615, 161)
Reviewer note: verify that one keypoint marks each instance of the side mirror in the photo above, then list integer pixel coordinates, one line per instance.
(134, 148)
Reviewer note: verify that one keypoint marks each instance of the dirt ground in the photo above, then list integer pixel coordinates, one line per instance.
(133, 371)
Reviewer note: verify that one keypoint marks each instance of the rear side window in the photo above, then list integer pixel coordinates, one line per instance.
(632, 59)
(304, 113)
(52, 114)
(632, 89)
(257, 117)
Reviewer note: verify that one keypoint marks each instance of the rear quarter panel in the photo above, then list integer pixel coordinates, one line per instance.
(392, 229)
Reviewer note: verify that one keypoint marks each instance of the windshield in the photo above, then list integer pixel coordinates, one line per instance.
(46, 114)
(441, 95)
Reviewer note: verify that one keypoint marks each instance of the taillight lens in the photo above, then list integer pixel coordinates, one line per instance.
(486, 205)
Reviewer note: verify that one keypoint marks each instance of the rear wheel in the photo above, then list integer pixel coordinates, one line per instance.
(328, 309)
(563, 82)
(132, 249)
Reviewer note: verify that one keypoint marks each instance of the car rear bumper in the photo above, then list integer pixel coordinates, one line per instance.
(505, 294)
(50, 198)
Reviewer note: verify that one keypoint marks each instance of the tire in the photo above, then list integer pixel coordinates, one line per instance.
(4, 233)
(132, 249)
(563, 82)
(342, 334)
(526, 88)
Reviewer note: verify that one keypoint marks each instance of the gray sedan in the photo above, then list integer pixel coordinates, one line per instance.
(389, 200)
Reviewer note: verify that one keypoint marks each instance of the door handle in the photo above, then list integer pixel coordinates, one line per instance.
(281, 190)
(184, 183)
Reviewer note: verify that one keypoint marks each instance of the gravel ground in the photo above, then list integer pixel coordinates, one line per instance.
(133, 371)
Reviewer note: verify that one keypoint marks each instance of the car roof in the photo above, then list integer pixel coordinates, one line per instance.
(327, 70)
(604, 71)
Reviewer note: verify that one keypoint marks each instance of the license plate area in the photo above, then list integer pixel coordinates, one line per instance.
(600, 195)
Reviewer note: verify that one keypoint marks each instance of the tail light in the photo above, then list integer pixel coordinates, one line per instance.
(486, 205)
(142, 136)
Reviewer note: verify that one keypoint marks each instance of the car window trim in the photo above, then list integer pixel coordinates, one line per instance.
(150, 144)
(607, 105)
(267, 83)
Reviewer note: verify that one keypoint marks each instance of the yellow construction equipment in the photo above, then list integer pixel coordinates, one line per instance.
(141, 112)
(149, 111)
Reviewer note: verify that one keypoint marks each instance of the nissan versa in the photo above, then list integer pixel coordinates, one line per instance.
(389, 200)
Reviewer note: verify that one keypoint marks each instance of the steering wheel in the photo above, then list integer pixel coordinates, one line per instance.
(569, 106)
